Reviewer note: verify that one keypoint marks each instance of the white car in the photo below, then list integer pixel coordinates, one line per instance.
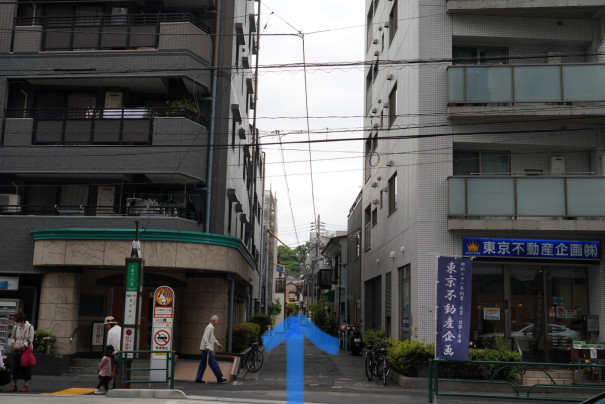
(560, 337)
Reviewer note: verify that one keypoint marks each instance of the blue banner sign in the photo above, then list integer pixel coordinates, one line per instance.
(513, 248)
(454, 290)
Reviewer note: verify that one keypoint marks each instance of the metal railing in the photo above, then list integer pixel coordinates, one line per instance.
(126, 369)
(128, 125)
(126, 31)
(517, 391)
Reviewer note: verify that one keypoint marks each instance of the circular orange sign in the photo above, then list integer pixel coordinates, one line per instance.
(164, 295)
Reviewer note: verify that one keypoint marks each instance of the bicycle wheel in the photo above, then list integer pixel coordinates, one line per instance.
(368, 367)
(254, 361)
(383, 369)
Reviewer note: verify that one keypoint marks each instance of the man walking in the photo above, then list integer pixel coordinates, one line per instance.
(207, 348)
(114, 338)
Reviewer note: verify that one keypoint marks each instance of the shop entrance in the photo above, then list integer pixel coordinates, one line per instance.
(535, 309)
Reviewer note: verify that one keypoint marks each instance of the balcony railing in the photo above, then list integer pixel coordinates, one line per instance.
(104, 32)
(512, 197)
(132, 126)
(526, 84)
(139, 208)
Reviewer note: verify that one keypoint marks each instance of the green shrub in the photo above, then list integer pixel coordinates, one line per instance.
(322, 315)
(372, 336)
(40, 343)
(291, 309)
(244, 334)
(480, 371)
(407, 357)
(263, 320)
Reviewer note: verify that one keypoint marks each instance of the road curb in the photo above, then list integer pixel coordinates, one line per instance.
(144, 393)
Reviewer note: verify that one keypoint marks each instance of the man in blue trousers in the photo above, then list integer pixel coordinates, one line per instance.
(207, 348)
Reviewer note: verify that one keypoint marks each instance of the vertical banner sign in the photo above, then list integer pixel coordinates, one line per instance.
(161, 334)
(453, 307)
(133, 285)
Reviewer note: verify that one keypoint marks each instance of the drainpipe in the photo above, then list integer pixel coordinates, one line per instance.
(212, 118)
(231, 303)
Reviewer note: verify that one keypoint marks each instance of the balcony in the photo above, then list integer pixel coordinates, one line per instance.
(112, 32)
(526, 203)
(528, 91)
(95, 126)
(537, 8)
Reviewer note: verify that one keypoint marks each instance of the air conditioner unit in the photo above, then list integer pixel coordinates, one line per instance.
(386, 105)
(375, 41)
(10, 203)
(376, 53)
(386, 25)
(374, 110)
(374, 184)
(390, 163)
(389, 77)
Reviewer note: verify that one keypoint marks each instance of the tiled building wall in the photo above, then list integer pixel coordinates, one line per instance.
(420, 222)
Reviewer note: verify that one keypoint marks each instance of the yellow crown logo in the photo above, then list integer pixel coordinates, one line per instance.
(473, 246)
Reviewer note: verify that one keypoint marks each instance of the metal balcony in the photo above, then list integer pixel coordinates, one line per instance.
(553, 90)
(527, 203)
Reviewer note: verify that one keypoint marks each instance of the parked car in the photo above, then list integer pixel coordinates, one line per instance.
(598, 399)
(560, 337)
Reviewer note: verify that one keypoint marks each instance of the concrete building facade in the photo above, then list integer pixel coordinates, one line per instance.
(485, 129)
(122, 112)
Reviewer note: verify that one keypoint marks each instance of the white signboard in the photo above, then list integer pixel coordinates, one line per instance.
(163, 316)
(491, 313)
(97, 334)
(9, 283)
(130, 308)
(128, 340)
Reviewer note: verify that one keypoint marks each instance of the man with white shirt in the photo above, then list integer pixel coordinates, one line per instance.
(207, 347)
(114, 338)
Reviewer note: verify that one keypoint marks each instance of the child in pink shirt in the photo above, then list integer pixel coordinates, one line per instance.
(104, 370)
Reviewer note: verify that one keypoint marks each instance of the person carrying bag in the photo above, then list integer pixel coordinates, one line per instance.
(22, 336)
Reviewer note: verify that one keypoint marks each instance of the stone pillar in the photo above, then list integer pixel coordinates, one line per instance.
(59, 303)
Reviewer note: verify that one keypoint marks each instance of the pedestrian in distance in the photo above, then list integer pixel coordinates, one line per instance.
(114, 338)
(105, 371)
(22, 336)
(207, 348)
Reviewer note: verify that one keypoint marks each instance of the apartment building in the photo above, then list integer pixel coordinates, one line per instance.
(485, 139)
(124, 113)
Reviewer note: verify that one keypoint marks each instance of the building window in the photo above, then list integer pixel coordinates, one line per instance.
(393, 22)
(387, 303)
(233, 131)
(405, 311)
(370, 148)
(393, 105)
(375, 70)
(367, 231)
(479, 162)
(374, 217)
(369, 27)
(393, 193)
(473, 55)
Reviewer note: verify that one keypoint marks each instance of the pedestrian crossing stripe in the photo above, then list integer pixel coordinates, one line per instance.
(74, 391)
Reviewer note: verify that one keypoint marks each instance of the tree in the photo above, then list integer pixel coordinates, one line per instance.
(292, 258)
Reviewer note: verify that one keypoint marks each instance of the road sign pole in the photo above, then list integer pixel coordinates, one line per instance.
(133, 286)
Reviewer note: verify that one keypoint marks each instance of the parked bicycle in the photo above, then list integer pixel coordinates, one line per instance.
(254, 359)
(376, 362)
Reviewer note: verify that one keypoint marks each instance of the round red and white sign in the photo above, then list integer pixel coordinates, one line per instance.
(161, 338)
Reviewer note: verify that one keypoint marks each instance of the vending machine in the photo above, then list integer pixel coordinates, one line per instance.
(8, 309)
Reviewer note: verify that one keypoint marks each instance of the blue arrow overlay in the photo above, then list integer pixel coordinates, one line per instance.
(293, 330)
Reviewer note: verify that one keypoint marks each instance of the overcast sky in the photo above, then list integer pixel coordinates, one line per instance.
(335, 102)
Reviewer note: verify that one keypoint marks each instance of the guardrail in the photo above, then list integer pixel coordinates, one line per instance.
(517, 391)
(125, 368)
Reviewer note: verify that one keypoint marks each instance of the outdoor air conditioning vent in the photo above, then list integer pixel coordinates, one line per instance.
(376, 53)
(390, 163)
(386, 105)
(386, 25)
(374, 110)
(389, 77)
(374, 184)
(375, 41)
(10, 203)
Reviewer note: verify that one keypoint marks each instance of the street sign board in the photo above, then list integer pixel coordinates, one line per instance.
(163, 320)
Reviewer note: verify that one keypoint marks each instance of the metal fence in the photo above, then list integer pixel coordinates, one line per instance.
(584, 376)
(128, 374)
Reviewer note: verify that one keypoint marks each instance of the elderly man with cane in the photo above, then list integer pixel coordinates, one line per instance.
(207, 348)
